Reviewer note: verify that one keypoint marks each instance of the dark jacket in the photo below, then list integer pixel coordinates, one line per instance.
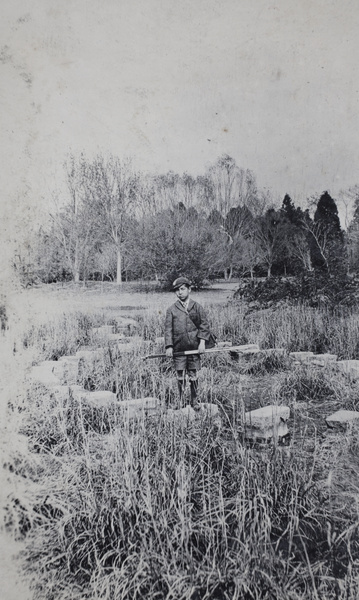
(183, 330)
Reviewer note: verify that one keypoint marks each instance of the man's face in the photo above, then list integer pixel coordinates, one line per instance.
(183, 292)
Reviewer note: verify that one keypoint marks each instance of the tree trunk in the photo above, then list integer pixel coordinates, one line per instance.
(269, 271)
(228, 271)
(76, 266)
(119, 267)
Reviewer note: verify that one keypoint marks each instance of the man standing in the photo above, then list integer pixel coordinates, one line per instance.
(186, 328)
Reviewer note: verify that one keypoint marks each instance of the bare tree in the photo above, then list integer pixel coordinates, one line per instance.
(299, 248)
(320, 235)
(114, 186)
(269, 234)
(348, 199)
(75, 223)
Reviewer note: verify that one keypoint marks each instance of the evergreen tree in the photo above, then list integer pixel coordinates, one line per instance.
(327, 214)
(296, 254)
(353, 237)
(327, 240)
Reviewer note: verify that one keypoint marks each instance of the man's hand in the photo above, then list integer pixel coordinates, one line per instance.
(169, 352)
(202, 346)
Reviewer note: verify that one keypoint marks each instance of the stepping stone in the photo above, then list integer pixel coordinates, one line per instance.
(126, 322)
(56, 366)
(210, 410)
(322, 360)
(134, 344)
(97, 399)
(270, 351)
(181, 415)
(301, 356)
(269, 422)
(103, 331)
(71, 368)
(349, 368)
(343, 419)
(238, 351)
(116, 337)
(247, 349)
(125, 347)
(61, 392)
(44, 374)
(140, 406)
(89, 355)
(187, 413)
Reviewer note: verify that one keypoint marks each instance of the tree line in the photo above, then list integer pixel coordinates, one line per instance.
(117, 223)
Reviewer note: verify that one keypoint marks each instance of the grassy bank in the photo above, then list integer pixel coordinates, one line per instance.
(187, 511)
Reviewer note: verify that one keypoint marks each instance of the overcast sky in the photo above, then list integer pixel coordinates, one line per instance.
(175, 84)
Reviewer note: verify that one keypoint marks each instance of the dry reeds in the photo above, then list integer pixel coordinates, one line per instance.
(165, 510)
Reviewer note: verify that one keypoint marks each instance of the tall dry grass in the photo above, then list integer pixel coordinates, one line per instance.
(165, 510)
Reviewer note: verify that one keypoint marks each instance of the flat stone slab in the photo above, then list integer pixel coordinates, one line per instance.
(97, 399)
(246, 349)
(269, 422)
(267, 417)
(278, 431)
(61, 391)
(116, 337)
(323, 359)
(70, 359)
(134, 344)
(126, 347)
(271, 351)
(187, 413)
(89, 355)
(102, 331)
(208, 409)
(181, 415)
(44, 374)
(55, 366)
(160, 341)
(301, 356)
(71, 368)
(140, 406)
(126, 322)
(342, 419)
(349, 367)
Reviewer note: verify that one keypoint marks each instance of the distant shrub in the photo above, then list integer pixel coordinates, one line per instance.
(315, 289)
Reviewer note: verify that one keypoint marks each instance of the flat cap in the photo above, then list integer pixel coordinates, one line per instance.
(180, 281)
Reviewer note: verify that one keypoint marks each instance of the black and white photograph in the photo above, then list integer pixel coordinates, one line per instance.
(179, 300)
